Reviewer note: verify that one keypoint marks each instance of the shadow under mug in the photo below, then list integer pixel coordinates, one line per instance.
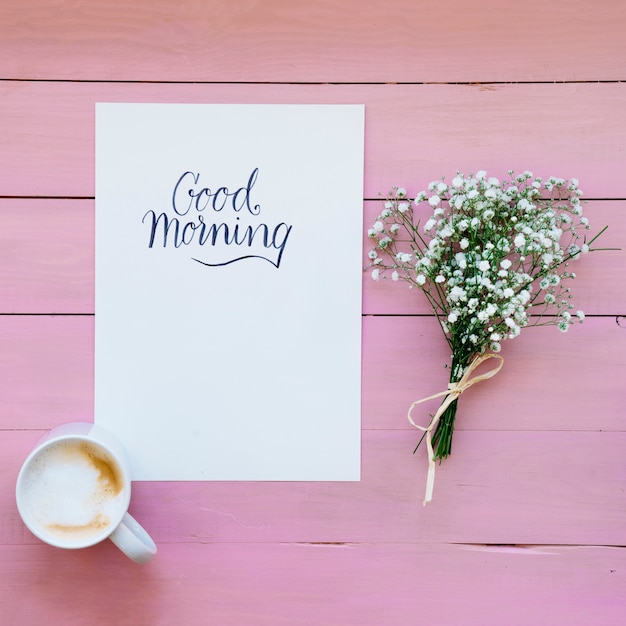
(73, 491)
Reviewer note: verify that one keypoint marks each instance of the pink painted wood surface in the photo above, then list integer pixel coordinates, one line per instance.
(528, 522)
(46, 256)
(316, 41)
(47, 261)
(414, 133)
(46, 365)
(498, 487)
(312, 585)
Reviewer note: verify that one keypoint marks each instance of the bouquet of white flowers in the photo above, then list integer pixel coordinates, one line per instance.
(491, 257)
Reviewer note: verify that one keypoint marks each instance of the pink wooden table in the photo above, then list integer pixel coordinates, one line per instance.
(528, 524)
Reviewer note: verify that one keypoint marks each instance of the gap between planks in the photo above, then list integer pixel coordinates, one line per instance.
(469, 83)
(379, 199)
(522, 548)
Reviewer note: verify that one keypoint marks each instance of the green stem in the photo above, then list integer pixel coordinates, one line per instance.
(442, 437)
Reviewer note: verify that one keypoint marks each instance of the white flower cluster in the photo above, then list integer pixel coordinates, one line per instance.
(491, 256)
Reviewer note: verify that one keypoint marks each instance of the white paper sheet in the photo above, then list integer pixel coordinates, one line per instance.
(228, 289)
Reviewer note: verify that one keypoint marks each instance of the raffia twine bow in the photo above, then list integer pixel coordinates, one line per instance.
(453, 391)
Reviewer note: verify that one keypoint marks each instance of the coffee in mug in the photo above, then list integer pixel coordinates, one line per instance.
(73, 491)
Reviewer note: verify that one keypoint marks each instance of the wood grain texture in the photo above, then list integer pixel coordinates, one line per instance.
(504, 487)
(46, 256)
(47, 261)
(413, 132)
(317, 41)
(315, 585)
(46, 363)
(46, 381)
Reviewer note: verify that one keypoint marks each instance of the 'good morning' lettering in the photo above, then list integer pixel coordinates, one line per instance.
(225, 224)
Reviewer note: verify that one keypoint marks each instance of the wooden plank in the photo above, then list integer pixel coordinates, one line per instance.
(413, 132)
(47, 261)
(47, 256)
(311, 585)
(496, 488)
(47, 370)
(550, 381)
(317, 41)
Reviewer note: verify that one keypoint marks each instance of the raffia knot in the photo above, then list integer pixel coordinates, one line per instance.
(454, 390)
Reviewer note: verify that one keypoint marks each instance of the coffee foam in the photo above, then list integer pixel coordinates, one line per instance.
(73, 490)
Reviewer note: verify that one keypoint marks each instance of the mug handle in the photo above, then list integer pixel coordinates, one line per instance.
(132, 539)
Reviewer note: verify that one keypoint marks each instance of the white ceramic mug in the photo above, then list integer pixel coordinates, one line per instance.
(73, 491)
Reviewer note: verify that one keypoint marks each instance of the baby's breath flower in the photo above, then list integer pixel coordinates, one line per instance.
(457, 294)
(461, 260)
(446, 232)
(490, 255)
